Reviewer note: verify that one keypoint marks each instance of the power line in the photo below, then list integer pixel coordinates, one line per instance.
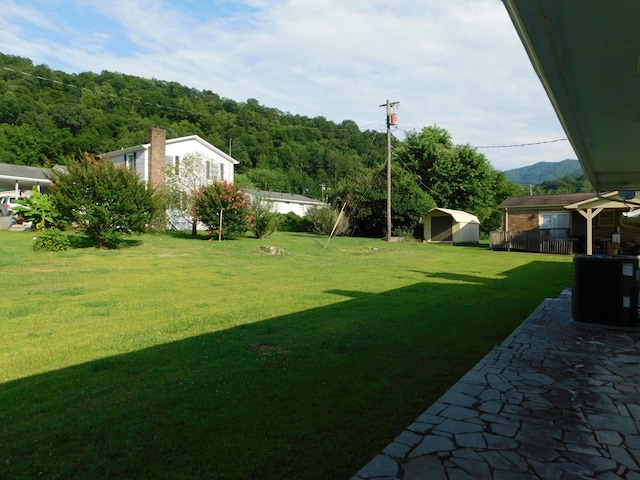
(238, 120)
(505, 146)
(522, 144)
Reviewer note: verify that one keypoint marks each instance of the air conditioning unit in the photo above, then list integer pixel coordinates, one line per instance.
(605, 290)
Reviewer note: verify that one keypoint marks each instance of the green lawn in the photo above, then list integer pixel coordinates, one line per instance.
(182, 358)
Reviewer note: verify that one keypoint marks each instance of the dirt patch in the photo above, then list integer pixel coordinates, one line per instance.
(267, 350)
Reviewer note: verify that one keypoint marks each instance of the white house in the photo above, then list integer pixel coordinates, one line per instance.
(285, 202)
(150, 159)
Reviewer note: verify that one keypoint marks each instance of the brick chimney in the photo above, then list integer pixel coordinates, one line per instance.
(157, 137)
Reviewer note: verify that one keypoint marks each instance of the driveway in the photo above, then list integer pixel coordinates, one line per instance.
(5, 222)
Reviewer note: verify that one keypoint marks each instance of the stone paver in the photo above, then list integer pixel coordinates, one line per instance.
(556, 400)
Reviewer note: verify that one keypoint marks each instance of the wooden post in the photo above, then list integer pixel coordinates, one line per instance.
(220, 228)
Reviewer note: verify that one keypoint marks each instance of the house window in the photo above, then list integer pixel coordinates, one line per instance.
(555, 224)
(221, 174)
(173, 161)
(130, 161)
(207, 170)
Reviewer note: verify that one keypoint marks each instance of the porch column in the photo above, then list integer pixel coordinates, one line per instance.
(590, 214)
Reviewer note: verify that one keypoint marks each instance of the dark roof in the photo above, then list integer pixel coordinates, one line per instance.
(23, 171)
(26, 176)
(541, 201)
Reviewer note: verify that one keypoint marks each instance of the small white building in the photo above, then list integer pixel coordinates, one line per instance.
(285, 202)
(150, 159)
(443, 225)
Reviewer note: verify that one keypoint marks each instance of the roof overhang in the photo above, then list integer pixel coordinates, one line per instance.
(587, 55)
(458, 215)
(610, 200)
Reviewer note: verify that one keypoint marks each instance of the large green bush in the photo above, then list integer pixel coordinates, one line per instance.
(265, 218)
(103, 200)
(224, 209)
(290, 222)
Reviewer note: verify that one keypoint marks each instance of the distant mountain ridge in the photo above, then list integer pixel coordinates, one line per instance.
(543, 171)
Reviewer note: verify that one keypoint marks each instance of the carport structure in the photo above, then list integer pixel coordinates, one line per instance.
(587, 55)
(22, 178)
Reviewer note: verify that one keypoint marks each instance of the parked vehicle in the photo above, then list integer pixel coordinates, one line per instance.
(8, 205)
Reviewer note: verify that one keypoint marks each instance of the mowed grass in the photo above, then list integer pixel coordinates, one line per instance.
(181, 358)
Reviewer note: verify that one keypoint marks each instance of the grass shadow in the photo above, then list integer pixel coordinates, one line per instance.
(80, 241)
(311, 395)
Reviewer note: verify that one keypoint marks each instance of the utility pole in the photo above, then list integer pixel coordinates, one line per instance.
(390, 122)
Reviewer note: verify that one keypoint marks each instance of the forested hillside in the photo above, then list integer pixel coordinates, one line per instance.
(47, 115)
(543, 171)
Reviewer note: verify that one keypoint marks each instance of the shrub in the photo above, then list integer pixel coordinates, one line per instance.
(406, 232)
(39, 209)
(265, 219)
(222, 198)
(51, 240)
(104, 200)
(325, 219)
(290, 222)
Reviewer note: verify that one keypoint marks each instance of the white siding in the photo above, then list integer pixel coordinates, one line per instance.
(194, 147)
(466, 233)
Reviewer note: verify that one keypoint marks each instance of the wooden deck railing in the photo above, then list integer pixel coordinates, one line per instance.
(530, 242)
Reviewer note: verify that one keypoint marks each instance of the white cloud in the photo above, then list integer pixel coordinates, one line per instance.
(455, 63)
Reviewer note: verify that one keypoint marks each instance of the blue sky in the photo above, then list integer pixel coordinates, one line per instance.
(457, 64)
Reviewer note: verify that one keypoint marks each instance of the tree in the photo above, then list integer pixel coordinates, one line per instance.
(269, 180)
(104, 200)
(464, 180)
(568, 184)
(224, 209)
(456, 177)
(366, 199)
(182, 185)
(421, 150)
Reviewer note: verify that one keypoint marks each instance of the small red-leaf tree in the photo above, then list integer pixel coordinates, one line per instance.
(223, 204)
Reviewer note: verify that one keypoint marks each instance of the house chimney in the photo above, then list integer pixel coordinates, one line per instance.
(157, 137)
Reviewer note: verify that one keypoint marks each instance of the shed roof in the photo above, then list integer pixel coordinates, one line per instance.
(542, 201)
(458, 215)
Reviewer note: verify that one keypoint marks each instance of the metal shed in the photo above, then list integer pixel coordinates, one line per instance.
(443, 225)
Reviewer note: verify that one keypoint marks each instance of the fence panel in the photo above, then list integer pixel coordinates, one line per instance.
(530, 242)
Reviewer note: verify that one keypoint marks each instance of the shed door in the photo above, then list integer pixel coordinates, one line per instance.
(441, 229)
